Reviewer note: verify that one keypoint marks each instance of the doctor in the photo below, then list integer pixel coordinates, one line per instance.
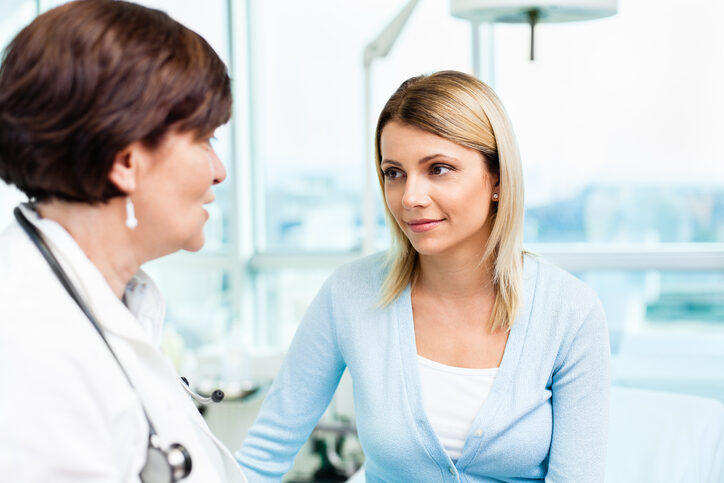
(106, 111)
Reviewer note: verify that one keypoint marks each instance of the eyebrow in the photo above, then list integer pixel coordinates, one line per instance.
(421, 161)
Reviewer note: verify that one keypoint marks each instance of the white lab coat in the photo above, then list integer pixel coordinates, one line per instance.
(67, 412)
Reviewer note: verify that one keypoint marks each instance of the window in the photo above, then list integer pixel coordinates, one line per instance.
(618, 123)
(15, 14)
(309, 137)
(617, 132)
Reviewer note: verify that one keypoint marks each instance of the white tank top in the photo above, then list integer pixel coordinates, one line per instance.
(452, 397)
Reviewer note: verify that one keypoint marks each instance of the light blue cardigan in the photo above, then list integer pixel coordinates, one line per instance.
(545, 418)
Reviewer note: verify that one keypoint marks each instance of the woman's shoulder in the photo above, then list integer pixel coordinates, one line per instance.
(363, 273)
(559, 287)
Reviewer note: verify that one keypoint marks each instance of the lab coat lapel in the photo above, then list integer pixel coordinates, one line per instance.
(108, 309)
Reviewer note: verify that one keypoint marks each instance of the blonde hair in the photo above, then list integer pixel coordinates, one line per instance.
(462, 109)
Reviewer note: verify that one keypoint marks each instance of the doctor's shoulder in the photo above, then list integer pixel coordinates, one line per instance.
(28, 288)
(51, 356)
(38, 319)
(20, 266)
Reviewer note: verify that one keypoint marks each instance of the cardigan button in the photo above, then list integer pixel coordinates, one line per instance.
(451, 469)
(479, 433)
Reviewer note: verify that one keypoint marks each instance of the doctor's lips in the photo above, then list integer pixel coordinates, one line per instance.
(423, 224)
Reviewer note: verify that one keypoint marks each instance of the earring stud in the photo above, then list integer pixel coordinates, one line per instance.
(495, 196)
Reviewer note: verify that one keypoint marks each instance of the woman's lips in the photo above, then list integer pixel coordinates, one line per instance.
(419, 226)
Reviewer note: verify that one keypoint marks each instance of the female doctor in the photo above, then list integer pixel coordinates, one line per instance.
(106, 111)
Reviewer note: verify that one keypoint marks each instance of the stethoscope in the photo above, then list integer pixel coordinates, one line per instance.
(162, 465)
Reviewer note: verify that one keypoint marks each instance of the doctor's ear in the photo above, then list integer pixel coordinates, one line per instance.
(125, 168)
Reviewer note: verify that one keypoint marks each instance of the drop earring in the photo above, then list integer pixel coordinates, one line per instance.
(131, 221)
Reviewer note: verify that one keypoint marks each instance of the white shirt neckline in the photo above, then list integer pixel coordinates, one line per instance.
(463, 371)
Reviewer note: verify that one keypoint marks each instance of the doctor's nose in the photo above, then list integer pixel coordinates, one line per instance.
(218, 170)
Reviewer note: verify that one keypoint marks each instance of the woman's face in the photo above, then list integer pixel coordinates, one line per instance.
(439, 192)
(172, 188)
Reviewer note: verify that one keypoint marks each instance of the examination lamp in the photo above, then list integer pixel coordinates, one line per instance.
(530, 12)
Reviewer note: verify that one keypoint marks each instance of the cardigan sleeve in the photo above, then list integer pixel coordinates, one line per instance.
(299, 395)
(580, 399)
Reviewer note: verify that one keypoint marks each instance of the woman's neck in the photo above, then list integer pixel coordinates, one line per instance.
(100, 231)
(456, 276)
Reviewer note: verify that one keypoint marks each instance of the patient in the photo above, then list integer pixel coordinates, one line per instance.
(471, 360)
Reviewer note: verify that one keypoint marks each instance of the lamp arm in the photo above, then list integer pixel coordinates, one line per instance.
(382, 44)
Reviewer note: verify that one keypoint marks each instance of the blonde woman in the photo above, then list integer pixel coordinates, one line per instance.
(471, 360)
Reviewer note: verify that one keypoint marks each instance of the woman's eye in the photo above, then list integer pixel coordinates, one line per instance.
(392, 173)
(439, 169)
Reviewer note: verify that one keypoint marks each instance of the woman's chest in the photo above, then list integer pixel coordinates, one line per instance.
(457, 334)
(458, 343)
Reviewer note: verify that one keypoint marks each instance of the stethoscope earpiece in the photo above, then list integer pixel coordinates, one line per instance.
(216, 396)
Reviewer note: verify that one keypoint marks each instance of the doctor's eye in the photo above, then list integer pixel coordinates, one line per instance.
(392, 173)
(440, 169)
(207, 140)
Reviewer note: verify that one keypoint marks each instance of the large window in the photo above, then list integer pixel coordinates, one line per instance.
(14, 15)
(618, 122)
(310, 144)
(307, 110)
(616, 119)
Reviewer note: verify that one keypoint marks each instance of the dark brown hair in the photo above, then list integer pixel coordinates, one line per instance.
(85, 80)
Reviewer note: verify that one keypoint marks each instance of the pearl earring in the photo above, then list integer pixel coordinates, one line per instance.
(495, 196)
(131, 221)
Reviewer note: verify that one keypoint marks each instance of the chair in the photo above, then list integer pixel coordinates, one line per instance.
(657, 436)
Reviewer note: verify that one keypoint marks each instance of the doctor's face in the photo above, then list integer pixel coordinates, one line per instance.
(440, 193)
(173, 188)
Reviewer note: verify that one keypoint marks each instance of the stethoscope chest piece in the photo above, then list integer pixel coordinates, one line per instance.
(167, 466)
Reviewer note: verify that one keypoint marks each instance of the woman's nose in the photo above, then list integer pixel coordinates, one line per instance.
(416, 194)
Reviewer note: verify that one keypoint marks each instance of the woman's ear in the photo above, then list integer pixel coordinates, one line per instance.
(125, 168)
(495, 181)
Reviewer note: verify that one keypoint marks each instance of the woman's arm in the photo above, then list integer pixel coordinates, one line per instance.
(580, 405)
(301, 392)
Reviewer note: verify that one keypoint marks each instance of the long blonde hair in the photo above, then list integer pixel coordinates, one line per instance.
(462, 109)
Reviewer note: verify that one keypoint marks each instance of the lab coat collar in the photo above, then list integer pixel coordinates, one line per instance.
(140, 319)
